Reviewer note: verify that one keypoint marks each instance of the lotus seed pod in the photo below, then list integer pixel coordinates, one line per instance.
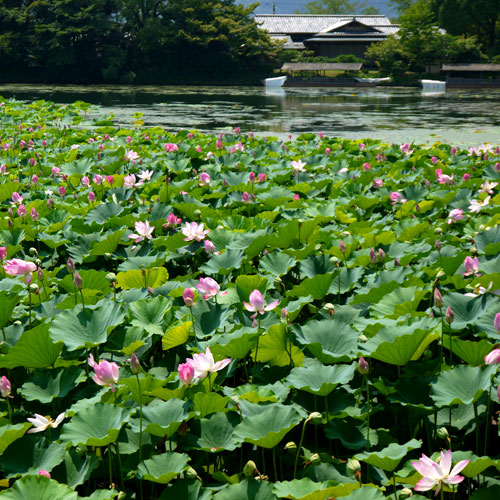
(191, 473)
(290, 446)
(111, 277)
(315, 415)
(250, 469)
(315, 459)
(405, 493)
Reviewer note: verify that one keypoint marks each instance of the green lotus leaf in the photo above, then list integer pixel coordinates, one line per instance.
(318, 264)
(275, 348)
(352, 436)
(30, 455)
(102, 495)
(316, 287)
(39, 487)
(209, 317)
(331, 341)
(97, 425)
(108, 244)
(349, 279)
(11, 433)
(276, 263)
(187, 489)
(136, 278)
(163, 468)
(35, 349)
(365, 493)
(223, 263)
(303, 489)
(91, 280)
(46, 386)
(401, 344)
(488, 242)
(214, 434)
(79, 468)
(86, 328)
(388, 458)
(269, 427)
(245, 285)
(461, 385)
(467, 310)
(489, 493)
(247, 490)
(147, 385)
(9, 301)
(399, 302)
(163, 418)
(177, 334)
(319, 379)
(471, 351)
(102, 213)
(260, 393)
(477, 465)
(148, 314)
(207, 403)
(236, 344)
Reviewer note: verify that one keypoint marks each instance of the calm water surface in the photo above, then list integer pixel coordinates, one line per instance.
(390, 114)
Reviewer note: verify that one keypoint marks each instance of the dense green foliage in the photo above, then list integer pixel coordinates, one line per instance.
(340, 7)
(131, 41)
(322, 250)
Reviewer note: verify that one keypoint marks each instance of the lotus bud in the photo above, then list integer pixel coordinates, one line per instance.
(77, 281)
(3, 253)
(438, 298)
(29, 278)
(498, 393)
(373, 256)
(353, 465)
(50, 203)
(43, 472)
(71, 266)
(5, 387)
(188, 297)
(40, 274)
(342, 247)
(33, 286)
(396, 262)
(315, 415)
(135, 366)
(496, 322)
(197, 214)
(442, 433)
(250, 469)
(381, 254)
(290, 446)
(363, 366)
(438, 245)
(405, 493)
(329, 308)
(449, 315)
(284, 315)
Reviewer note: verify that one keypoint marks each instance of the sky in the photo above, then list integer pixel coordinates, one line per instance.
(291, 6)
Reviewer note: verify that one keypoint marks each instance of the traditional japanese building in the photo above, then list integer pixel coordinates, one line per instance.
(328, 36)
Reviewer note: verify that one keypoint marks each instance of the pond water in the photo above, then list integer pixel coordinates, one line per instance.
(392, 114)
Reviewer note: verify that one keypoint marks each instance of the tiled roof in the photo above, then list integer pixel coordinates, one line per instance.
(470, 67)
(321, 66)
(310, 24)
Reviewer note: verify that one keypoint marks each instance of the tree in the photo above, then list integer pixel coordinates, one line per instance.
(480, 18)
(400, 5)
(340, 7)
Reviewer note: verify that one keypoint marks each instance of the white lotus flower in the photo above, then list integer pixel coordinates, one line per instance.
(42, 423)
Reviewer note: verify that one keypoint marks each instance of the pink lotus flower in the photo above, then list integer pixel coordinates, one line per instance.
(132, 156)
(98, 179)
(91, 197)
(209, 288)
(378, 183)
(194, 231)
(471, 265)
(395, 197)
(145, 176)
(487, 187)
(106, 373)
(455, 215)
(85, 181)
(203, 364)
(3, 253)
(493, 357)
(245, 197)
(171, 148)
(465, 177)
(129, 181)
(172, 221)
(258, 305)
(18, 267)
(496, 322)
(21, 211)
(405, 148)
(5, 387)
(435, 473)
(188, 297)
(204, 179)
(56, 171)
(366, 167)
(34, 179)
(208, 246)
(262, 177)
(186, 373)
(251, 177)
(62, 191)
(16, 197)
(144, 230)
(43, 472)
(434, 160)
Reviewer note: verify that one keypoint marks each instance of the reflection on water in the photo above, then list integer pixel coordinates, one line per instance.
(392, 114)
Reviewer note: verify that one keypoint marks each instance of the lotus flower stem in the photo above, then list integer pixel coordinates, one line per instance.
(83, 302)
(476, 420)
(487, 430)
(274, 464)
(140, 420)
(29, 298)
(368, 416)
(117, 447)
(110, 465)
(299, 448)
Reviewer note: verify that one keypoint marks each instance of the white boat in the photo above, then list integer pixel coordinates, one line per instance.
(275, 82)
(373, 80)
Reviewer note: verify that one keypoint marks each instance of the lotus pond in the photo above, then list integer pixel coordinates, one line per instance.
(226, 317)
